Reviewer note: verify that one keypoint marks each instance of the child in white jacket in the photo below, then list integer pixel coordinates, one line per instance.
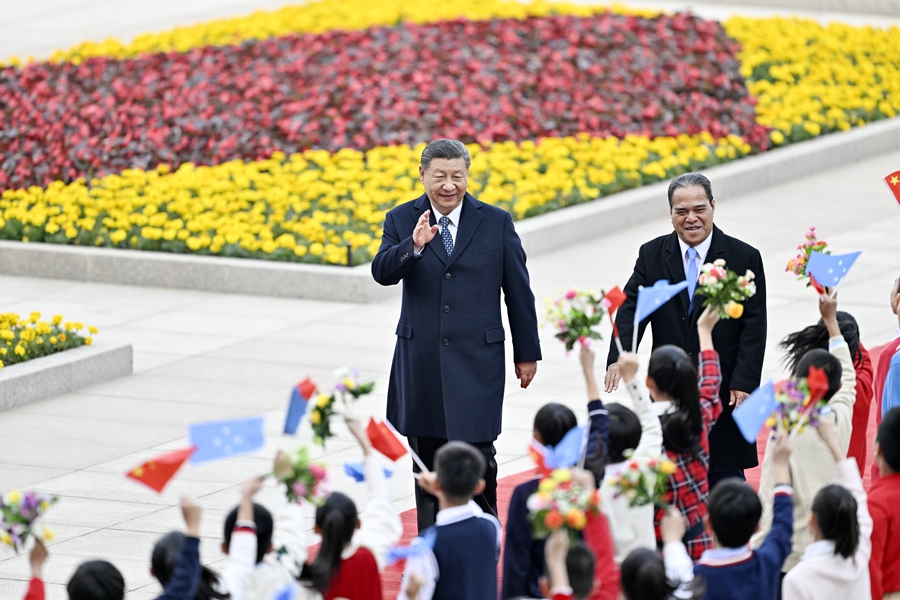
(836, 564)
(252, 575)
(639, 431)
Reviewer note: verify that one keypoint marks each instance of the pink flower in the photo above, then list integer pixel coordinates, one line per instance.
(585, 341)
(719, 273)
(561, 324)
(300, 489)
(571, 294)
(317, 471)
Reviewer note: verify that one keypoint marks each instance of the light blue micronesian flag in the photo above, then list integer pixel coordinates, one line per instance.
(830, 269)
(753, 412)
(357, 471)
(568, 451)
(223, 439)
(651, 298)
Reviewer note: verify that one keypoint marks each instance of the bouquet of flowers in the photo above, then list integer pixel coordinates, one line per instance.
(801, 402)
(19, 518)
(561, 503)
(643, 481)
(797, 265)
(575, 316)
(724, 289)
(304, 479)
(347, 388)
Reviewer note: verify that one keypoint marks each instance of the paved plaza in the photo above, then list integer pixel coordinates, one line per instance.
(203, 356)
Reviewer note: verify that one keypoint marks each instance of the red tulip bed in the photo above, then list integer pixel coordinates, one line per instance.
(479, 81)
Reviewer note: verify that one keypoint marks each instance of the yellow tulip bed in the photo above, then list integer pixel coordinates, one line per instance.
(807, 79)
(24, 339)
(310, 206)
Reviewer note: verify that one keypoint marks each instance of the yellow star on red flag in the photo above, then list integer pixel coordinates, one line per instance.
(893, 183)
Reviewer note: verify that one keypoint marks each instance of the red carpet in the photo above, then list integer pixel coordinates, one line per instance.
(506, 485)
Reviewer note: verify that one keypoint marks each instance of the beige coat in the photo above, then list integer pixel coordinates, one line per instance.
(811, 462)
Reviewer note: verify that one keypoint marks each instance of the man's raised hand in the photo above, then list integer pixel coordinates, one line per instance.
(423, 233)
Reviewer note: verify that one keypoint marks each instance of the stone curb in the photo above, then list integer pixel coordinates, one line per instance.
(63, 373)
(540, 234)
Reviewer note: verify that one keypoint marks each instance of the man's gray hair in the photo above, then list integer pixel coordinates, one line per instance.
(690, 180)
(444, 148)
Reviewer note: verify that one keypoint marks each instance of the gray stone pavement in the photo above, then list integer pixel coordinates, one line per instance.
(202, 356)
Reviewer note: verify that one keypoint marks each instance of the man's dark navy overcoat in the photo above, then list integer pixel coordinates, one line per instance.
(448, 372)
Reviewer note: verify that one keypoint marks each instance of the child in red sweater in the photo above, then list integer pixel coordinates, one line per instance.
(884, 565)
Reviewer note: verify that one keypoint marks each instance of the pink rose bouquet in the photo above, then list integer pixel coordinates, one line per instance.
(575, 316)
(797, 265)
(724, 289)
(304, 479)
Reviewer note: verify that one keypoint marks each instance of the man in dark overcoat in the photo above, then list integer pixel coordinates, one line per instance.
(454, 256)
(741, 343)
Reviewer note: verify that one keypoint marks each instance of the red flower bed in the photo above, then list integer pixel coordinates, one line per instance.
(476, 81)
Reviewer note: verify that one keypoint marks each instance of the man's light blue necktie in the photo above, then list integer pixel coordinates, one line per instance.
(448, 239)
(691, 276)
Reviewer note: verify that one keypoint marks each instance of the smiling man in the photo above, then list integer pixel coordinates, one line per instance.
(454, 256)
(741, 343)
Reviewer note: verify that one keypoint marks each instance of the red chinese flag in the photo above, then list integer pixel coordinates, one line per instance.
(616, 298)
(893, 182)
(385, 439)
(157, 472)
(307, 388)
(816, 285)
(817, 381)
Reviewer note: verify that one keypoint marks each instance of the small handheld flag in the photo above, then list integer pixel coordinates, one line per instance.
(565, 454)
(223, 439)
(385, 439)
(157, 472)
(419, 546)
(613, 300)
(830, 269)
(752, 414)
(893, 183)
(357, 471)
(300, 396)
(651, 298)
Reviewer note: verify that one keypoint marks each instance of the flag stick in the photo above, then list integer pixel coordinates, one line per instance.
(418, 460)
(806, 414)
(619, 345)
(634, 338)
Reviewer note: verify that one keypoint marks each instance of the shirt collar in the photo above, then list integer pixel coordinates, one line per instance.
(453, 216)
(720, 557)
(820, 549)
(702, 248)
(456, 514)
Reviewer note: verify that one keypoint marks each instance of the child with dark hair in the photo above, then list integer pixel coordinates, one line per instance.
(648, 576)
(639, 435)
(524, 556)
(687, 413)
(100, 580)
(836, 564)
(884, 565)
(797, 344)
(570, 569)
(812, 464)
(461, 561)
(731, 570)
(164, 563)
(353, 551)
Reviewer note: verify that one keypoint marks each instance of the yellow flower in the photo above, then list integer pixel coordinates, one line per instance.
(48, 534)
(13, 497)
(561, 475)
(62, 337)
(322, 400)
(53, 339)
(576, 519)
(5, 538)
(667, 467)
(19, 350)
(547, 485)
(93, 330)
(88, 341)
(734, 310)
(1, 362)
(57, 319)
(316, 417)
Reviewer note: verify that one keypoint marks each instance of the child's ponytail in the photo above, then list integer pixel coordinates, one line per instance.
(835, 509)
(336, 521)
(674, 374)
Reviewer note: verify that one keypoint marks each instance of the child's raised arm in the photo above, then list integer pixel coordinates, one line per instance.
(587, 367)
(37, 558)
(828, 310)
(186, 576)
(705, 325)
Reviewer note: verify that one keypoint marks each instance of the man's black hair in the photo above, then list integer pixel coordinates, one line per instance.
(888, 438)
(459, 467)
(624, 431)
(828, 362)
(264, 527)
(734, 512)
(96, 580)
(687, 180)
